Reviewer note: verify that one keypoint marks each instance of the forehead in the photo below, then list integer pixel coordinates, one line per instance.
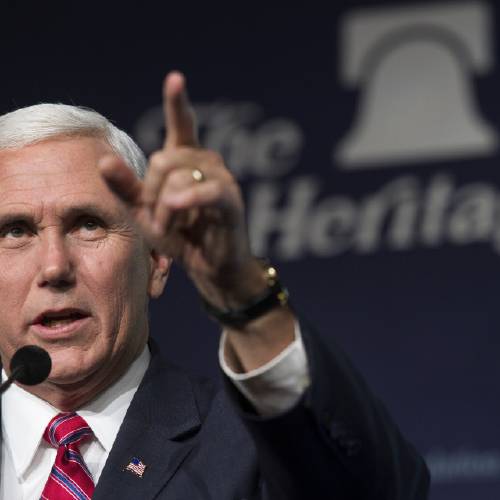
(53, 170)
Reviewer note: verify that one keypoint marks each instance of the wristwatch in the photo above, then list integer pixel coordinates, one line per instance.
(274, 296)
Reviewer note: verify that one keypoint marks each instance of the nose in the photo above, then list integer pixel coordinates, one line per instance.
(56, 266)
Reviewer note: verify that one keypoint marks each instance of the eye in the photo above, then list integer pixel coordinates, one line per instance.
(14, 230)
(89, 228)
(90, 224)
(15, 235)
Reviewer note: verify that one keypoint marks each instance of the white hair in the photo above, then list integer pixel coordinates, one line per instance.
(40, 122)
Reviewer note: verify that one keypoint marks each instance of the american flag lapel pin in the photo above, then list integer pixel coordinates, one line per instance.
(136, 467)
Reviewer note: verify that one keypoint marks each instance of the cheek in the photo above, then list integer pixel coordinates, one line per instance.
(16, 278)
(17, 268)
(117, 278)
(17, 274)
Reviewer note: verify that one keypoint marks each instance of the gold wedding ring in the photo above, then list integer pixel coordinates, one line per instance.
(197, 175)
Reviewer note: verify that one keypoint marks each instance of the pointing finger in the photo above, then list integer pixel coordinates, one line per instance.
(179, 116)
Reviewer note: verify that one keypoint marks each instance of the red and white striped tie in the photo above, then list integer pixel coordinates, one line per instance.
(69, 478)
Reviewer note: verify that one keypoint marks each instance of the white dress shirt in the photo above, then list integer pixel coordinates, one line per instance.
(27, 459)
(276, 386)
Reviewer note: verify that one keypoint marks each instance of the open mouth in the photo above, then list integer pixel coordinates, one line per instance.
(54, 319)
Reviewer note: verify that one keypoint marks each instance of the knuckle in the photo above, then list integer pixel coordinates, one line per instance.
(217, 188)
(179, 177)
(213, 158)
(156, 156)
(228, 177)
(157, 160)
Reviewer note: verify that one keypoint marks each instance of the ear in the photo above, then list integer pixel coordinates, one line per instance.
(160, 267)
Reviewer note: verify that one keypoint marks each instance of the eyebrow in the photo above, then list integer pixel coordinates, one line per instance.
(71, 212)
(10, 217)
(91, 209)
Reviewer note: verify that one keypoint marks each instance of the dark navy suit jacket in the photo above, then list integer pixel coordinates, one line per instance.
(200, 442)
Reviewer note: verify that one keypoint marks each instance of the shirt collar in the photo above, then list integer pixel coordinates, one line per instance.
(25, 416)
(105, 413)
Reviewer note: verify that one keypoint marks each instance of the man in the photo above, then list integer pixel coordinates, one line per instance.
(84, 244)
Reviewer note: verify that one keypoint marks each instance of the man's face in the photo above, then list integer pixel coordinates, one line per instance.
(74, 272)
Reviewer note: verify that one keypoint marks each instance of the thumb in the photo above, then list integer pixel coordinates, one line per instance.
(121, 179)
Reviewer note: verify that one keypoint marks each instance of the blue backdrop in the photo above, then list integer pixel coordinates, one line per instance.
(366, 138)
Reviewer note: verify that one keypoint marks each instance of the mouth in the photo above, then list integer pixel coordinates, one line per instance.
(56, 319)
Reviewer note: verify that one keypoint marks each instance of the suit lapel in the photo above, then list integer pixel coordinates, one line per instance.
(161, 416)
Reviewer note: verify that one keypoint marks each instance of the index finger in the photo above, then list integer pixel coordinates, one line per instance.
(180, 120)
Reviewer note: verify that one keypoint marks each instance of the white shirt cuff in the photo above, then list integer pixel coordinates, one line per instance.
(275, 387)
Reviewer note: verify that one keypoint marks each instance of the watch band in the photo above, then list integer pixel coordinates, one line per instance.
(275, 296)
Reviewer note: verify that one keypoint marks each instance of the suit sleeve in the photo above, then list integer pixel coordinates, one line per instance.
(337, 442)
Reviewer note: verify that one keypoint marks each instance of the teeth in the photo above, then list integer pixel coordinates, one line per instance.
(52, 322)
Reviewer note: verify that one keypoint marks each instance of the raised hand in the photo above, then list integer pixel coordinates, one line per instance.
(189, 206)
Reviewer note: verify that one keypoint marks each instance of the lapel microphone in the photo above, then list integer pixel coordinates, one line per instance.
(30, 365)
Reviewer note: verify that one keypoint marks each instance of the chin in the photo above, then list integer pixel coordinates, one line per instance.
(63, 376)
(68, 369)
